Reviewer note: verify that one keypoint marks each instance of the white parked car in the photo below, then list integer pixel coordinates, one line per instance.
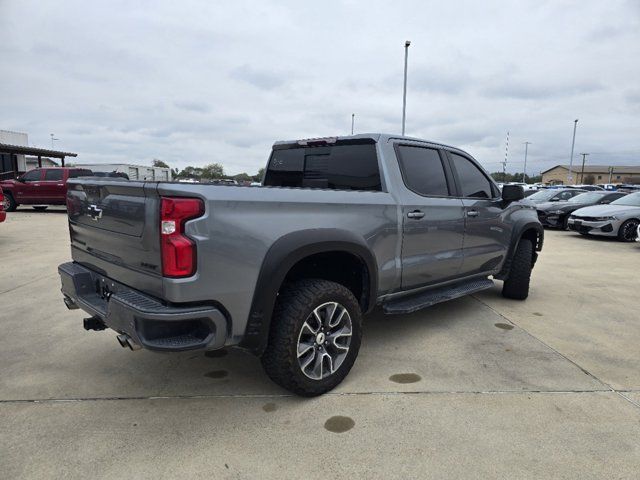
(621, 218)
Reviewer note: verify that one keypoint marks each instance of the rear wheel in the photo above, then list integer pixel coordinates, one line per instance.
(40, 208)
(8, 203)
(314, 338)
(565, 223)
(628, 230)
(516, 285)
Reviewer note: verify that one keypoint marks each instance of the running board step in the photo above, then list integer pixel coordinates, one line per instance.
(437, 295)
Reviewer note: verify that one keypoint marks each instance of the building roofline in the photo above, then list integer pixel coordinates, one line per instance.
(42, 152)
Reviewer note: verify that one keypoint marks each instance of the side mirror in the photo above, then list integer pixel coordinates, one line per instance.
(21, 179)
(512, 193)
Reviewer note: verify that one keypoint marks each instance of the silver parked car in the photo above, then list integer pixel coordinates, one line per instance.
(620, 218)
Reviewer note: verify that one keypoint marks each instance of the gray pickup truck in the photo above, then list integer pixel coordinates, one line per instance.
(287, 270)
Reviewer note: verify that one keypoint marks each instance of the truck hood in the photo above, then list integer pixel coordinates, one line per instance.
(605, 210)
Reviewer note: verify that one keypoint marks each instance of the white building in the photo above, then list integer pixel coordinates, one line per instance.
(15, 138)
(135, 172)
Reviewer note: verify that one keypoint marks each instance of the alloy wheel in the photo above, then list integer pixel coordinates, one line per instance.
(630, 230)
(324, 340)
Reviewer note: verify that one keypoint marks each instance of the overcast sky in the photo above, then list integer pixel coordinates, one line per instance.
(198, 82)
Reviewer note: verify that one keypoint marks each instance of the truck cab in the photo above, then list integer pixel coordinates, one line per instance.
(40, 187)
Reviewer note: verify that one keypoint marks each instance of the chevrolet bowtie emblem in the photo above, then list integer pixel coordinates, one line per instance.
(94, 212)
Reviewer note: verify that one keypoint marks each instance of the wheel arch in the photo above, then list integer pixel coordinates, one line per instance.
(530, 230)
(282, 258)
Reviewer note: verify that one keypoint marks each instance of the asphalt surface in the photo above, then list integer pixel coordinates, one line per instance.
(480, 387)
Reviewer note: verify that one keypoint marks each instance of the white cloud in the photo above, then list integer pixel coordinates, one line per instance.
(197, 82)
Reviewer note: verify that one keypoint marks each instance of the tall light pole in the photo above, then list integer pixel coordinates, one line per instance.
(353, 119)
(573, 143)
(584, 156)
(404, 92)
(504, 163)
(52, 139)
(526, 149)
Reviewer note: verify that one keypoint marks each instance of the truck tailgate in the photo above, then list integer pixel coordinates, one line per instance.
(114, 229)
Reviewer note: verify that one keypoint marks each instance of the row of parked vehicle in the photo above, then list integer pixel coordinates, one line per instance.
(599, 212)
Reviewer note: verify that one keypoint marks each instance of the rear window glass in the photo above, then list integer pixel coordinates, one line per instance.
(338, 167)
(80, 173)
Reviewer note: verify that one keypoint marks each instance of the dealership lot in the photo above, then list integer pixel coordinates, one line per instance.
(477, 387)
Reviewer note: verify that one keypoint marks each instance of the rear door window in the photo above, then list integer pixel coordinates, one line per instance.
(53, 175)
(339, 167)
(422, 170)
(473, 182)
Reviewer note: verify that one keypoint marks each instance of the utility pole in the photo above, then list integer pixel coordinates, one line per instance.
(404, 92)
(353, 119)
(524, 174)
(584, 156)
(504, 163)
(610, 173)
(573, 143)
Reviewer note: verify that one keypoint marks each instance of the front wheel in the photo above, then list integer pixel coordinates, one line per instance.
(516, 285)
(628, 230)
(314, 338)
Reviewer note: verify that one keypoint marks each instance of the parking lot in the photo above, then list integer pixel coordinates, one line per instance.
(479, 387)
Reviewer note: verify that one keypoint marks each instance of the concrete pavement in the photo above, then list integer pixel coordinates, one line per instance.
(548, 387)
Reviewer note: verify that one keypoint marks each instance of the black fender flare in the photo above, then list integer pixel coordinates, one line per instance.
(282, 256)
(518, 230)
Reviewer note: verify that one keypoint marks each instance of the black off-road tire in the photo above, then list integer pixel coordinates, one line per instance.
(516, 286)
(12, 205)
(40, 208)
(295, 303)
(565, 223)
(627, 231)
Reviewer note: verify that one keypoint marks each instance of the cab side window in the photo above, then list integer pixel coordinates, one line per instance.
(566, 195)
(32, 176)
(473, 182)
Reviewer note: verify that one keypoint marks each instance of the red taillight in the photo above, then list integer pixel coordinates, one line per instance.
(178, 250)
(1, 200)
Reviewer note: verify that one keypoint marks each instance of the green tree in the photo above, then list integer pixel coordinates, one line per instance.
(159, 163)
(212, 171)
(242, 177)
(258, 176)
(191, 172)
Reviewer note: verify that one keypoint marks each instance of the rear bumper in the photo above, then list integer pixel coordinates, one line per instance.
(149, 322)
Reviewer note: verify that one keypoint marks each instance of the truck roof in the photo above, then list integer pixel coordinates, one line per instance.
(377, 137)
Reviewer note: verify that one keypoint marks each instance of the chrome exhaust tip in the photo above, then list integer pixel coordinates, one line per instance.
(122, 340)
(133, 345)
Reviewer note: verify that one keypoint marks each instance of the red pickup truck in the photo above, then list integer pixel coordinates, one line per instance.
(3, 214)
(40, 187)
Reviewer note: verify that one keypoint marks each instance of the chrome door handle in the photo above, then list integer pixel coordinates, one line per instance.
(415, 214)
(472, 213)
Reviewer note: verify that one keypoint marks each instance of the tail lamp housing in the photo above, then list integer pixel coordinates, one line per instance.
(179, 257)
